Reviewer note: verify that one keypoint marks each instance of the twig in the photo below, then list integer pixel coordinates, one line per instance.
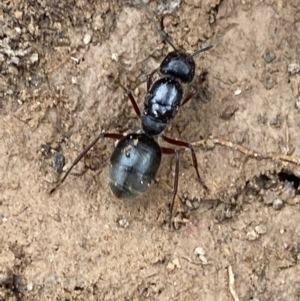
(248, 152)
(231, 284)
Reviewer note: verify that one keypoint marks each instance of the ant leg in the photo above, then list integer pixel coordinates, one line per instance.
(149, 79)
(171, 151)
(84, 152)
(190, 146)
(188, 97)
(132, 99)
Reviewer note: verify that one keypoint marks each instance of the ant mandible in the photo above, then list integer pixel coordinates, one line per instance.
(135, 160)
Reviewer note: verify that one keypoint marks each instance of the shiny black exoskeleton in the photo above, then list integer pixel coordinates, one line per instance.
(161, 105)
(133, 165)
(180, 65)
(136, 158)
(165, 96)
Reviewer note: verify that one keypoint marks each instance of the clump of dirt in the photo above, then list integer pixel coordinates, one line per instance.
(61, 64)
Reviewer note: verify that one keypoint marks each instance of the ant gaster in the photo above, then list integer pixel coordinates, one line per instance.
(136, 159)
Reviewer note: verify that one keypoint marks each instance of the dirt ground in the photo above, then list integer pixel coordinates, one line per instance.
(60, 64)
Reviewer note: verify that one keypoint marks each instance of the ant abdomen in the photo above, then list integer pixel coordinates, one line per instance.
(133, 165)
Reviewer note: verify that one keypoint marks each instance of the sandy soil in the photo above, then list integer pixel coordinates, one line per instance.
(60, 63)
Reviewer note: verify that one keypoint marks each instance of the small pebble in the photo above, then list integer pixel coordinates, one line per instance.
(189, 204)
(278, 204)
(9, 91)
(123, 223)
(74, 80)
(288, 191)
(87, 38)
(34, 58)
(136, 91)
(252, 235)
(174, 264)
(169, 8)
(203, 259)
(199, 251)
(58, 162)
(269, 56)
(294, 68)
(75, 59)
(237, 92)
(210, 144)
(15, 60)
(115, 56)
(30, 286)
(260, 229)
(196, 204)
(269, 197)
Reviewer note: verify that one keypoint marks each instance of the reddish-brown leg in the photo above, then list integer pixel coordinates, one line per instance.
(188, 97)
(173, 151)
(194, 159)
(150, 80)
(84, 152)
(131, 97)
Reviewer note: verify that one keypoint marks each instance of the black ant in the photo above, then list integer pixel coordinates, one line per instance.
(136, 159)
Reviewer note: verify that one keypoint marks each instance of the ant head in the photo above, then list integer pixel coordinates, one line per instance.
(180, 65)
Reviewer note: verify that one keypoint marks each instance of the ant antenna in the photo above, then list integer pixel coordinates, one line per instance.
(202, 50)
(160, 31)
